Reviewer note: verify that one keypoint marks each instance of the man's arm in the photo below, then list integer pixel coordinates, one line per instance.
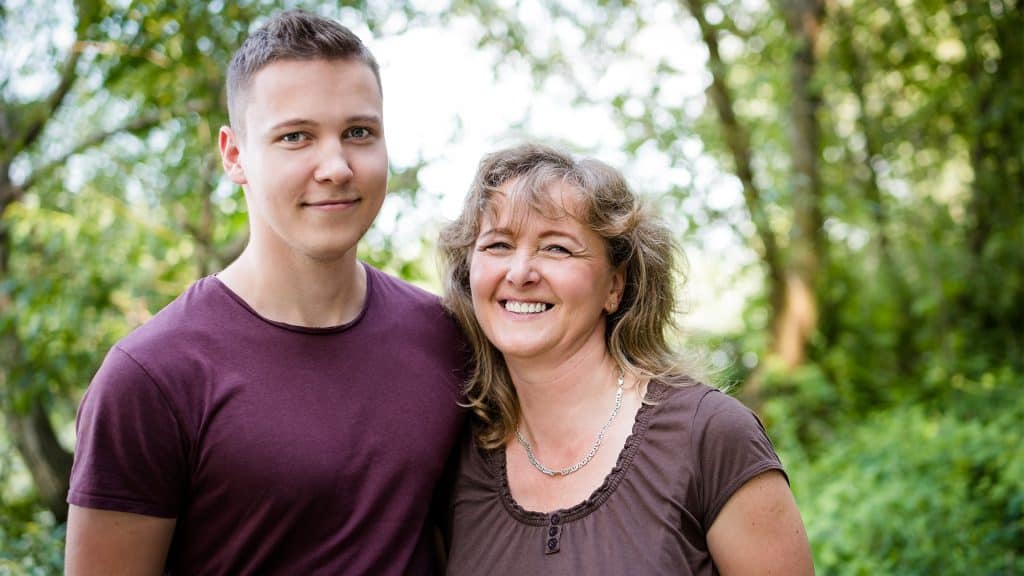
(759, 531)
(114, 543)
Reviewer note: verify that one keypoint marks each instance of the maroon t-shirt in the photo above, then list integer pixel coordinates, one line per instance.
(689, 451)
(279, 449)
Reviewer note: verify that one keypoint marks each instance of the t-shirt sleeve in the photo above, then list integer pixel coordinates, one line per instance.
(733, 448)
(130, 455)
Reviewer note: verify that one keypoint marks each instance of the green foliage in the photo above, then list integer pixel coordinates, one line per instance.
(920, 290)
(900, 431)
(912, 491)
(900, 428)
(33, 547)
(80, 280)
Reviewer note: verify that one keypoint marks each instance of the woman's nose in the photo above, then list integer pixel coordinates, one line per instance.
(521, 270)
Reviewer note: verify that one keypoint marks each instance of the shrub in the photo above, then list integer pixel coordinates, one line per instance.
(35, 547)
(908, 491)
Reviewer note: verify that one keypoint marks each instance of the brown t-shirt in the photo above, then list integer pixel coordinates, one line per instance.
(690, 450)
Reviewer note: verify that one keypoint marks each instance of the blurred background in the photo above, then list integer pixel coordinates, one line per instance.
(846, 176)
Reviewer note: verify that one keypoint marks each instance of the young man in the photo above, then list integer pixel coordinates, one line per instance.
(294, 413)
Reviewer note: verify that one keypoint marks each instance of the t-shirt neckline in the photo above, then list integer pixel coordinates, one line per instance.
(496, 459)
(295, 327)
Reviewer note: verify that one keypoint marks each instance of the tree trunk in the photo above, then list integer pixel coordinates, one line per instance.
(994, 117)
(791, 279)
(737, 139)
(47, 461)
(888, 270)
(797, 320)
(792, 301)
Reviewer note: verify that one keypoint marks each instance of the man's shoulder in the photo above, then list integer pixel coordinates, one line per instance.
(191, 311)
(419, 314)
(397, 290)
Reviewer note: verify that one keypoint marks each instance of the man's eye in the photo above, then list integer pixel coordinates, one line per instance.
(294, 137)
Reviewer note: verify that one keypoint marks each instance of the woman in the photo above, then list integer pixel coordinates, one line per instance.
(593, 452)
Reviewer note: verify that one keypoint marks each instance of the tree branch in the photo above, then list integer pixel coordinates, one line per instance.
(232, 251)
(857, 70)
(138, 124)
(9, 193)
(68, 75)
(738, 141)
(5, 114)
(135, 126)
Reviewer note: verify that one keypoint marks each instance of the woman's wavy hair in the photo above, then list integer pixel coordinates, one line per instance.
(637, 332)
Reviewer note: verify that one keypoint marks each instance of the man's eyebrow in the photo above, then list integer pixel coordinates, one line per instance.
(354, 119)
(291, 122)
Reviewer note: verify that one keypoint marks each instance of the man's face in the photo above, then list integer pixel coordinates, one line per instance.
(312, 159)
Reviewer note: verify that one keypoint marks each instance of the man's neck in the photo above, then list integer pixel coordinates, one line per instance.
(297, 290)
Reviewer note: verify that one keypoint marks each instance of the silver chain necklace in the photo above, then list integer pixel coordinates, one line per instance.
(593, 449)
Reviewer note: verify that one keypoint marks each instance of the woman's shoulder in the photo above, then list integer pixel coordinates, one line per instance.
(681, 391)
(682, 387)
(702, 407)
(478, 466)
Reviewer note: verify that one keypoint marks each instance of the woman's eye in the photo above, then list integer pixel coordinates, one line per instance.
(559, 250)
(496, 247)
(359, 132)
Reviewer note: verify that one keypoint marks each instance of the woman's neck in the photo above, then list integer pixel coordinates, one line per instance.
(565, 403)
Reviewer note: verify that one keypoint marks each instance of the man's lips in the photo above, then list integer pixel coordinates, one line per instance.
(334, 204)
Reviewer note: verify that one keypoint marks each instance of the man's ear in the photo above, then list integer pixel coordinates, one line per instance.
(230, 155)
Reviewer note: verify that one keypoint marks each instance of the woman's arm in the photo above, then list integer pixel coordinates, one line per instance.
(759, 531)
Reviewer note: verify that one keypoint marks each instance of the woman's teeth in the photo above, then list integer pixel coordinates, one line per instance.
(525, 307)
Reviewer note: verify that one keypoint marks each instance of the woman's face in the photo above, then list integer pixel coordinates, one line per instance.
(541, 284)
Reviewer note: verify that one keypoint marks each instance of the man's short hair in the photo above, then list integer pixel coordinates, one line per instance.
(290, 35)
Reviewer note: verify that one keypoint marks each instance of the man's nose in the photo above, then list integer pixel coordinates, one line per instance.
(333, 164)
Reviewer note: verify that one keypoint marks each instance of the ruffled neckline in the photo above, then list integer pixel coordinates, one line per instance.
(497, 462)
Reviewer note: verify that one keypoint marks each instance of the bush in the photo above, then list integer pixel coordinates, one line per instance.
(32, 548)
(908, 491)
